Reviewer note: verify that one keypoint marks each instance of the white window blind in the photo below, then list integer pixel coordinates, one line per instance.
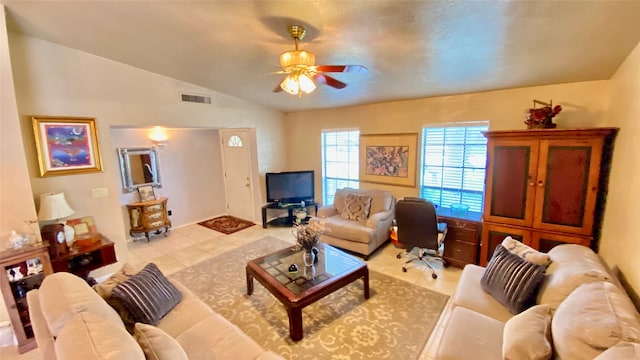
(453, 165)
(340, 162)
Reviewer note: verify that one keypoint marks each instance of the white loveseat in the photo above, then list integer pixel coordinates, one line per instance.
(359, 236)
(589, 316)
(71, 321)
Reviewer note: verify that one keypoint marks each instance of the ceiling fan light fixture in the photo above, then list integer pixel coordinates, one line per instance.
(297, 58)
(290, 84)
(296, 84)
(306, 84)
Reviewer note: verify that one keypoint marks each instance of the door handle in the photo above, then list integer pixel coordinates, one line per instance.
(540, 183)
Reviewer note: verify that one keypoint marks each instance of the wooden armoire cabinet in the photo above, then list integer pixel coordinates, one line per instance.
(545, 187)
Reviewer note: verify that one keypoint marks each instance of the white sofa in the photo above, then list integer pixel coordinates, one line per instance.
(588, 316)
(358, 236)
(71, 321)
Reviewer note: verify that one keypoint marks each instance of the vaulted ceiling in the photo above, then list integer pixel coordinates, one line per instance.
(412, 49)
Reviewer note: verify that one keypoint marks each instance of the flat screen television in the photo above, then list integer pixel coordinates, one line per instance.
(290, 186)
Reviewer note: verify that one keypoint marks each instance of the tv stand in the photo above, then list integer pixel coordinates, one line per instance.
(289, 219)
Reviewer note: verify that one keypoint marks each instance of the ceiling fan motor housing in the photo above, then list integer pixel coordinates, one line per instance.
(297, 58)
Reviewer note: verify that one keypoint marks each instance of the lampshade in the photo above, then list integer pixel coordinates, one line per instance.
(53, 207)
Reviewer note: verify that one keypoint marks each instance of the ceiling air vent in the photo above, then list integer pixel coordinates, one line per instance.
(201, 99)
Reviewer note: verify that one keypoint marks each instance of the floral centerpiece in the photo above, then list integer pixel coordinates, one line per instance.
(307, 235)
(541, 117)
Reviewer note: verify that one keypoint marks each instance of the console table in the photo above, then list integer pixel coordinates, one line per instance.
(149, 216)
(289, 219)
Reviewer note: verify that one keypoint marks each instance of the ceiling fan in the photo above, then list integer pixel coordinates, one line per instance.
(299, 65)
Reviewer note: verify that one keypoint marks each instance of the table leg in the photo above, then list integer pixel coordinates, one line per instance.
(264, 217)
(295, 323)
(249, 284)
(365, 279)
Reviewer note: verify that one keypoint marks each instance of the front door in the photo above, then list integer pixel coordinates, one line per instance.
(237, 173)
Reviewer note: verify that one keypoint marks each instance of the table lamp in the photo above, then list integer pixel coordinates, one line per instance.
(55, 207)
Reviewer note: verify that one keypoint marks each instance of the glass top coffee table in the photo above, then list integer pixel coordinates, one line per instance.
(334, 270)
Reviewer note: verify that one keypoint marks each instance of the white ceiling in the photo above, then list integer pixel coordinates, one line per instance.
(413, 49)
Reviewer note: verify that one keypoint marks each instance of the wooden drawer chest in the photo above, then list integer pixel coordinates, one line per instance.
(462, 242)
(149, 216)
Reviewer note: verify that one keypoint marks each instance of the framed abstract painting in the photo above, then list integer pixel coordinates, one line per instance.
(389, 159)
(66, 145)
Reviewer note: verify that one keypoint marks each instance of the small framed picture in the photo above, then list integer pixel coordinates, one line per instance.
(146, 193)
(83, 225)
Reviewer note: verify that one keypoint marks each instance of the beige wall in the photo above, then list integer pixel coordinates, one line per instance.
(54, 80)
(190, 170)
(585, 105)
(621, 243)
(16, 205)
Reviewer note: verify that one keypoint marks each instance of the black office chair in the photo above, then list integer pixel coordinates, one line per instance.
(418, 227)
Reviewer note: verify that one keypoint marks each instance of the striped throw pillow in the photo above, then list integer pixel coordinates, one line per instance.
(147, 295)
(511, 280)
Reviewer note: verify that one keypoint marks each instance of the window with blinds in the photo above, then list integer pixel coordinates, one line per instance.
(453, 165)
(340, 162)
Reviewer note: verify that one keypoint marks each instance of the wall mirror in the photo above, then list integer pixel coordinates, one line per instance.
(139, 167)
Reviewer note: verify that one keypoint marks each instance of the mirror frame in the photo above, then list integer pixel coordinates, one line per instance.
(125, 167)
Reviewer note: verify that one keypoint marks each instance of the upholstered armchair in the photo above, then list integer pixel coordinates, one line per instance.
(358, 220)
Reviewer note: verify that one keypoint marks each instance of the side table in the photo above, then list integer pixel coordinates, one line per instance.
(81, 260)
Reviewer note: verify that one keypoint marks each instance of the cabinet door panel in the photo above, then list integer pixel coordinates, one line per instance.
(492, 236)
(546, 241)
(567, 185)
(510, 181)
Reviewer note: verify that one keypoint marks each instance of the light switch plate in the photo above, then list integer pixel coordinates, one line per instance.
(99, 192)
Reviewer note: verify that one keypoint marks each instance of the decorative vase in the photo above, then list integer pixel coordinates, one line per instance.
(309, 257)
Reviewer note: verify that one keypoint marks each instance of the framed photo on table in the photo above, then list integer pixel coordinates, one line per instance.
(85, 229)
(146, 193)
(389, 159)
(66, 145)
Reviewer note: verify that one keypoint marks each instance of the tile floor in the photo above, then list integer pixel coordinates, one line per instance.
(191, 244)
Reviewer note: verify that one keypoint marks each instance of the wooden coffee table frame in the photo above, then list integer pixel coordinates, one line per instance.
(294, 303)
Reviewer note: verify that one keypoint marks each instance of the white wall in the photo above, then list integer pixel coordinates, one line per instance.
(55, 80)
(584, 105)
(621, 243)
(190, 171)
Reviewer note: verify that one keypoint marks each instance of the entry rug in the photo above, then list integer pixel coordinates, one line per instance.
(226, 224)
(394, 323)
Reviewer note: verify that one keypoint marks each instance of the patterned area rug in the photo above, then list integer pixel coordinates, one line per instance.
(395, 323)
(226, 224)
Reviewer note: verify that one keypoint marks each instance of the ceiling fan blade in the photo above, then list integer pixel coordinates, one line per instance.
(278, 88)
(342, 68)
(328, 80)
